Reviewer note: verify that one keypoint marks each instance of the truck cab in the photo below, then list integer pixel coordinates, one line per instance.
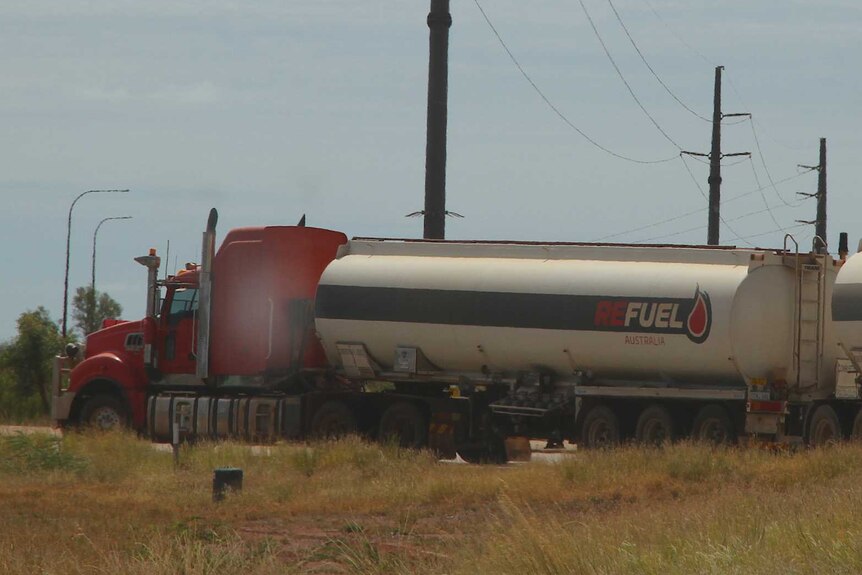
(105, 384)
(239, 322)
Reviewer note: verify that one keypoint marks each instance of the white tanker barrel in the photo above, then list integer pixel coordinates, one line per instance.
(847, 308)
(675, 315)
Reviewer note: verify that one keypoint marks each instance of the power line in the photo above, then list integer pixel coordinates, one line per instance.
(773, 231)
(766, 169)
(698, 210)
(737, 162)
(768, 208)
(554, 108)
(743, 238)
(678, 37)
(650, 68)
(738, 95)
(762, 195)
(620, 74)
(759, 188)
(712, 63)
(652, 225)
(679, 233)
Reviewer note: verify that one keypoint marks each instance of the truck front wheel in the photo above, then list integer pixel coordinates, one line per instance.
(104, 413)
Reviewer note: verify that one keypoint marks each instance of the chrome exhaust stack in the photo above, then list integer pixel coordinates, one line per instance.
(152, 263)
(205, 295)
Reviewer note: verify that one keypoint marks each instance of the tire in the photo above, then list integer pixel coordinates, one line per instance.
(856, 433)
(104, 413)
(655, 426)
(824, 427)
(332, 421)
(405, 424)
(600, 429)
(712, 425)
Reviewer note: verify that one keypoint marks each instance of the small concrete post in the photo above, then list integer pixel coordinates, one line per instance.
(226, 480)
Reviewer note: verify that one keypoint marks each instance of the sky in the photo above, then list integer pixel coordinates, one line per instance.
(273, 109)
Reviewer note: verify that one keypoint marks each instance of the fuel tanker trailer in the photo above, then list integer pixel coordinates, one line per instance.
(467, 347)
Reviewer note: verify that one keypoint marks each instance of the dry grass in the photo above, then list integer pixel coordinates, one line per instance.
(113, 504)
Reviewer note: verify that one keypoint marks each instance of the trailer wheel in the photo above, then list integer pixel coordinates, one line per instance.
(404, 424)
(713, 425)
(655, 426)
(824, 427)
(104, 413)
(856, 433)
(333, 420)
(601, 428)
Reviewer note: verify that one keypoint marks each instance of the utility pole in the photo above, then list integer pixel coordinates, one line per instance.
(715, 156)
(820, 227)
(715, 164)
(819, 244)
(439, 21)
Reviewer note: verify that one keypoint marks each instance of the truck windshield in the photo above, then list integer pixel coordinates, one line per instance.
(183, 304)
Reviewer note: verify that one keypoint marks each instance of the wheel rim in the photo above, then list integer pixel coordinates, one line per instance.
(601, 434)
(714, 431)
(654, 432)
(105, 418)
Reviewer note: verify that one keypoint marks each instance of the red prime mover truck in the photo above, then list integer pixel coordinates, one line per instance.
(291, 332)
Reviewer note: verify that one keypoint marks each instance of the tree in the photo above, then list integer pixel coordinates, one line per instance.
(90, 308)
(30, 354)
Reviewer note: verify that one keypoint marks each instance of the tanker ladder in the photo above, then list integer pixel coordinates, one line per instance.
(809, 315)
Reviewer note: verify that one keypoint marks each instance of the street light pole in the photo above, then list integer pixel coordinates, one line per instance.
(68, 240)
(96, 233)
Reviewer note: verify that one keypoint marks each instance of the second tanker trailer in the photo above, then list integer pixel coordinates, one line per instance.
(294, 331)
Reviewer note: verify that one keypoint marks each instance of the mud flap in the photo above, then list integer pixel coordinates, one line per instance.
(764, 423)
(518, 449)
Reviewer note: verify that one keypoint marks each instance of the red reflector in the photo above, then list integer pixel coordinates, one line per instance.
(773, 406)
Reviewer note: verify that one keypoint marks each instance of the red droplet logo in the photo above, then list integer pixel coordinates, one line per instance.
(699, 319)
